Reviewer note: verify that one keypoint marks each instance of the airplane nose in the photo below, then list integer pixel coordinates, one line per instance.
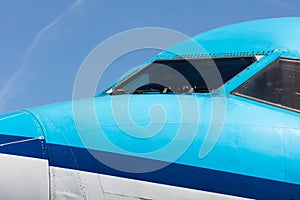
(24, 169)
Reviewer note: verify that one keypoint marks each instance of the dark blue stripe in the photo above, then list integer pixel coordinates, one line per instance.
(174, 174)
(33, 148)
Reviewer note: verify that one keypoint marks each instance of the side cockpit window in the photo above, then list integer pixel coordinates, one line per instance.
(278, 85)
(182, 76)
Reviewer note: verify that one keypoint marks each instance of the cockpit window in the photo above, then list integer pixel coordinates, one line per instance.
(278, 85)
(182, 76)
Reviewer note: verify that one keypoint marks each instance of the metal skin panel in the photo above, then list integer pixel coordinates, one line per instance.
(255, 156)
(23, 178)
(24, 168)
(249, 37)
(30, 127)
(115, 187)
(255, 138)
(252, 147)
(73, 184)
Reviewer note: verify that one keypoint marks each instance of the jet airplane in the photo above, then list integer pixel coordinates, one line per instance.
(222, 123)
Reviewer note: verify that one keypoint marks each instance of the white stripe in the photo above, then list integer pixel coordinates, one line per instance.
(23, 178)
(146, 190)
(21, 141)
(11, 116)
(68, 183)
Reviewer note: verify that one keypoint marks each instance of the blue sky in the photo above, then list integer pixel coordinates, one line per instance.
(43, 43)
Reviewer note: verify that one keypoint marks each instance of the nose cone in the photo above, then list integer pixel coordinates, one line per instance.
(24, 166)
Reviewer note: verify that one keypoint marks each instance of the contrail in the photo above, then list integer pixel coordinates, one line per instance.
(6, 92)
(48, 27)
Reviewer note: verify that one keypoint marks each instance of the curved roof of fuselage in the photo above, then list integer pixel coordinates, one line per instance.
(257, 37)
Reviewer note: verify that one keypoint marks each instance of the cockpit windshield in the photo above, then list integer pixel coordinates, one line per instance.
(182, 76)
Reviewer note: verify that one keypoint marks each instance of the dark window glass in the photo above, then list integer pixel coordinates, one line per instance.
(278, 84)
(183, 76)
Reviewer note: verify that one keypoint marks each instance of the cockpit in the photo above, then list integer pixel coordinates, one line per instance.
(277, 84)
(180, 76)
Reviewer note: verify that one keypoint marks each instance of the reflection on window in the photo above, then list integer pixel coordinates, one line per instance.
(182, 76)
(278, 84)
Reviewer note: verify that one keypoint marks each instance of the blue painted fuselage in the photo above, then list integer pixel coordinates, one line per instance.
(215, 142)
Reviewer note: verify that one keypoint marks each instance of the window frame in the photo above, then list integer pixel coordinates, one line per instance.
(259, 73)
(107, 91)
